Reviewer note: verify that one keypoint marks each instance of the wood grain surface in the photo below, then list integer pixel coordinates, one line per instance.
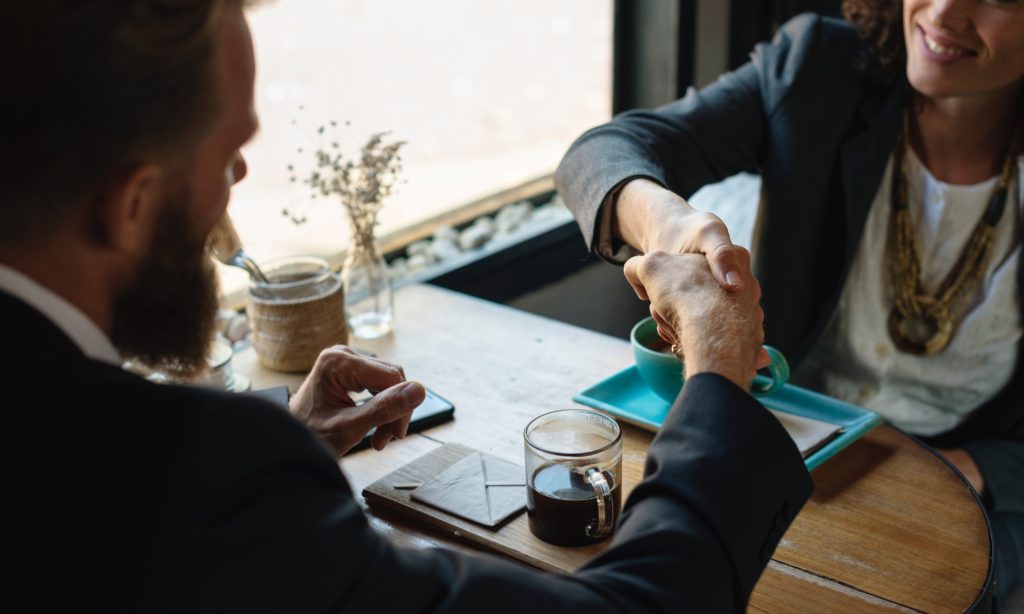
(890, 527)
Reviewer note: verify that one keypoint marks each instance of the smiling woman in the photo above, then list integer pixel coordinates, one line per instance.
(889, 247)
(958, 49)
(487, 97)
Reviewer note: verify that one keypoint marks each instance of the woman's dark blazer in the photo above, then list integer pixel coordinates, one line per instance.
(802, 114)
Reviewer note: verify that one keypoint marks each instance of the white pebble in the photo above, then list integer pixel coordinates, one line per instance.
(419, 248)
(418, 263)
(476, 235)
(224, 317)
(445, 250)
(512, 216)
(446, 233)
(237, 328)
(398, 269)
(484, 222)
(549, 212)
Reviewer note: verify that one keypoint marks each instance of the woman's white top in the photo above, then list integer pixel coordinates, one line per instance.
(856, 359)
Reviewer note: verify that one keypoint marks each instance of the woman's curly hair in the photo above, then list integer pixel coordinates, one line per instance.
(880, 23)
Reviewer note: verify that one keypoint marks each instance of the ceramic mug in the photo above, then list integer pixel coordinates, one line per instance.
(663, 372)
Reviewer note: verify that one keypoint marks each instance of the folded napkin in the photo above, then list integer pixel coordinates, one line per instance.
(808, 434)
(482, 488)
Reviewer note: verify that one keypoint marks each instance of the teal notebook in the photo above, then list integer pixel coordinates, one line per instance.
(626, 396)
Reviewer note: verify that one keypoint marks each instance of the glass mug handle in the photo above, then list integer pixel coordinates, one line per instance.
(605, 504)
(778, 371)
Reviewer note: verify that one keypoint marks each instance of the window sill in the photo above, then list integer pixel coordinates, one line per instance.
(394, 244)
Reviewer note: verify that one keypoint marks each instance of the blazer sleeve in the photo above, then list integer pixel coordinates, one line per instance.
(274, 526)
(705, 137)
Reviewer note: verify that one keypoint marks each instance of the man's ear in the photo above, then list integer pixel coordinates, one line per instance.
(130, 208)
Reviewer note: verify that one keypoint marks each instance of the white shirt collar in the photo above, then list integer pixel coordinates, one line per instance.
(65, 316)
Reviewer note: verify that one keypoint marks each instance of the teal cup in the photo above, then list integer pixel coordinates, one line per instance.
(663, 372)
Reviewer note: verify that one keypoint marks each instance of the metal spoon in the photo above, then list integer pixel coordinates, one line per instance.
(226, 247)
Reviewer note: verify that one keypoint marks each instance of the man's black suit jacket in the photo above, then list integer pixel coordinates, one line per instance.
(149, 498)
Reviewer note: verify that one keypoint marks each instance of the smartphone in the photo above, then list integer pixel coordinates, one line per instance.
(433, 411)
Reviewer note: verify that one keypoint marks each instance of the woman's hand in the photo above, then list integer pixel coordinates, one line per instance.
(324, 405)
(652, 218)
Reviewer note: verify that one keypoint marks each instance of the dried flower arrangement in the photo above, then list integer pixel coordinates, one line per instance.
(362, 184)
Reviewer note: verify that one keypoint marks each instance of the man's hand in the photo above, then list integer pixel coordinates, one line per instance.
(324, 405)
(652, 218)
(717, 331)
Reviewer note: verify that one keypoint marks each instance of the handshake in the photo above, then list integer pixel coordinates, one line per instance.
(714, 329)
(702, 293)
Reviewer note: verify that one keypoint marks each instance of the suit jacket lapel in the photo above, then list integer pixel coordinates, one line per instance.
(863, 158)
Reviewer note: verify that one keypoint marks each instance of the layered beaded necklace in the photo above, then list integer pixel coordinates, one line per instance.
(920, 322)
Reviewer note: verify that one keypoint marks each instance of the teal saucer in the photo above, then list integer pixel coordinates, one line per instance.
(627, 397)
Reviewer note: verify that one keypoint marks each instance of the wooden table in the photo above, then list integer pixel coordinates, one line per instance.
(891, 527)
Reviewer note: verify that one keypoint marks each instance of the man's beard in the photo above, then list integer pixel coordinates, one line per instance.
(165, 317)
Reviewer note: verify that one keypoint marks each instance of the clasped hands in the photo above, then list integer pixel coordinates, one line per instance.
(703, 296)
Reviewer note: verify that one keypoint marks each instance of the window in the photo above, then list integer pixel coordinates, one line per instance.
(487, 95)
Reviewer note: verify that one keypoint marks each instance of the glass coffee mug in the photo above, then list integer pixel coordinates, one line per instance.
(573, 476)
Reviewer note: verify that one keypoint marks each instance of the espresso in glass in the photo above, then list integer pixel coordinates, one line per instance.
(573, 474)
(561, 505)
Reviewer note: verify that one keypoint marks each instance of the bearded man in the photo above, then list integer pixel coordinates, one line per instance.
(122, 123)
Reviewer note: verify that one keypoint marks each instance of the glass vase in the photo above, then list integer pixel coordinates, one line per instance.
(369, 308)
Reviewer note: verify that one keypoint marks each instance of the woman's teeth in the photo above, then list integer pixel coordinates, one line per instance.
(937, 48)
